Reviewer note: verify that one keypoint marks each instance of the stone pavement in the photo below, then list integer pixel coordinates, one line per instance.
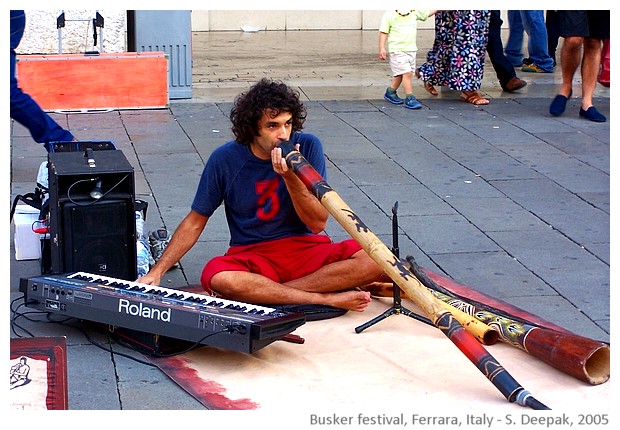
(503, 197)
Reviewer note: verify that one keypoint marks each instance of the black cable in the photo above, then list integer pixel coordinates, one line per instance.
(48, 315)
(112, 352)
(14, 317)
(16, 314)
(95, 200)
(195, 345)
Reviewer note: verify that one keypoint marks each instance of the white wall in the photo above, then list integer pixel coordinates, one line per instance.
(231, 20)
(41, 35)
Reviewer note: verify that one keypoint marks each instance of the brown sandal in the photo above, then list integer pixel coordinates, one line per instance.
(431, 89)
(474, 98)
(428, 87)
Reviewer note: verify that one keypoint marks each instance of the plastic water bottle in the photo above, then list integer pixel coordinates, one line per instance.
(139, 226)
(143, 254)
(142, 259)
(43, 181)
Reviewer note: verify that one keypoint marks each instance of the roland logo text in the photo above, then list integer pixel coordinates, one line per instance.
(139, 310)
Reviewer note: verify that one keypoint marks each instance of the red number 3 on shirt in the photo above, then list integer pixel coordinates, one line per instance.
(268, 200)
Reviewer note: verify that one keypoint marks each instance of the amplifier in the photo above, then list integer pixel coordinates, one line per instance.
(92, 218)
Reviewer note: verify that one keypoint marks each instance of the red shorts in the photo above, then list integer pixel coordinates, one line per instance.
(281, 260)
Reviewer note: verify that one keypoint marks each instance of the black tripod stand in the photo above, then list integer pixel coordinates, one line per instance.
(397, 307)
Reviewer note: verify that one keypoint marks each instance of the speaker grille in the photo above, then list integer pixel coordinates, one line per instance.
(98, 238)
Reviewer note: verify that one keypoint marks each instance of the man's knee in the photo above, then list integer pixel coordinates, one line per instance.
(367, 265)
(592, 46)
(222, 283)
(573, 43)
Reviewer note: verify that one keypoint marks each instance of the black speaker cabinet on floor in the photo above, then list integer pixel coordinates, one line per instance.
(92, 218)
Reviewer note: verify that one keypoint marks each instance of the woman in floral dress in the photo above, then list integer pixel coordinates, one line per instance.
(456, 59)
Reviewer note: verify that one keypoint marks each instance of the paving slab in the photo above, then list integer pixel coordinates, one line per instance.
(503, 197)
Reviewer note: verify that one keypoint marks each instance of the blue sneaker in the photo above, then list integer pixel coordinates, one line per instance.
(393, 97)
(412, 103)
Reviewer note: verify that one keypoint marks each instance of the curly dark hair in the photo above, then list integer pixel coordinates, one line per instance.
(264, 95)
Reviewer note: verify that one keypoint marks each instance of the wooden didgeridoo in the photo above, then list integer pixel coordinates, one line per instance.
(397, 271)
(585, 359)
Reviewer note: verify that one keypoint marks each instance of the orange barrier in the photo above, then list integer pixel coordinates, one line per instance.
(131, 80)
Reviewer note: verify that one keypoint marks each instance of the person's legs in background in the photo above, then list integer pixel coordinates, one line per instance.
(589, 70)
(599, 30)
(553, 33)
(504, 70)
(24, 109)
(582, 31)
(537, 45)
(515, 38)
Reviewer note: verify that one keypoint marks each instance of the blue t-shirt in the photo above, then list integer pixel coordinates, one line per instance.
(257, 204)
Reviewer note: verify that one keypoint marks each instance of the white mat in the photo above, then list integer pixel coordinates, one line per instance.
(398, 364)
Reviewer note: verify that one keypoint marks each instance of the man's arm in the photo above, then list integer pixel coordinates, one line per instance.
(308, 207)
(183, 239)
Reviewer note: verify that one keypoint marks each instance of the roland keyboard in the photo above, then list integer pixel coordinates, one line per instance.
(177, 314)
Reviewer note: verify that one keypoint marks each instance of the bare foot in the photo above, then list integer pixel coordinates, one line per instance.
(352, 300)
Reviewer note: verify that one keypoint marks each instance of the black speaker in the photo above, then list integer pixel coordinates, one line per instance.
(93, 246)
(92, 217)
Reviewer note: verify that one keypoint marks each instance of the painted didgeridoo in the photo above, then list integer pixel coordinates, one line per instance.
(585, 359)
(397, 271)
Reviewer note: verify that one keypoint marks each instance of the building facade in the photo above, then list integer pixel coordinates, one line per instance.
(43, 37)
